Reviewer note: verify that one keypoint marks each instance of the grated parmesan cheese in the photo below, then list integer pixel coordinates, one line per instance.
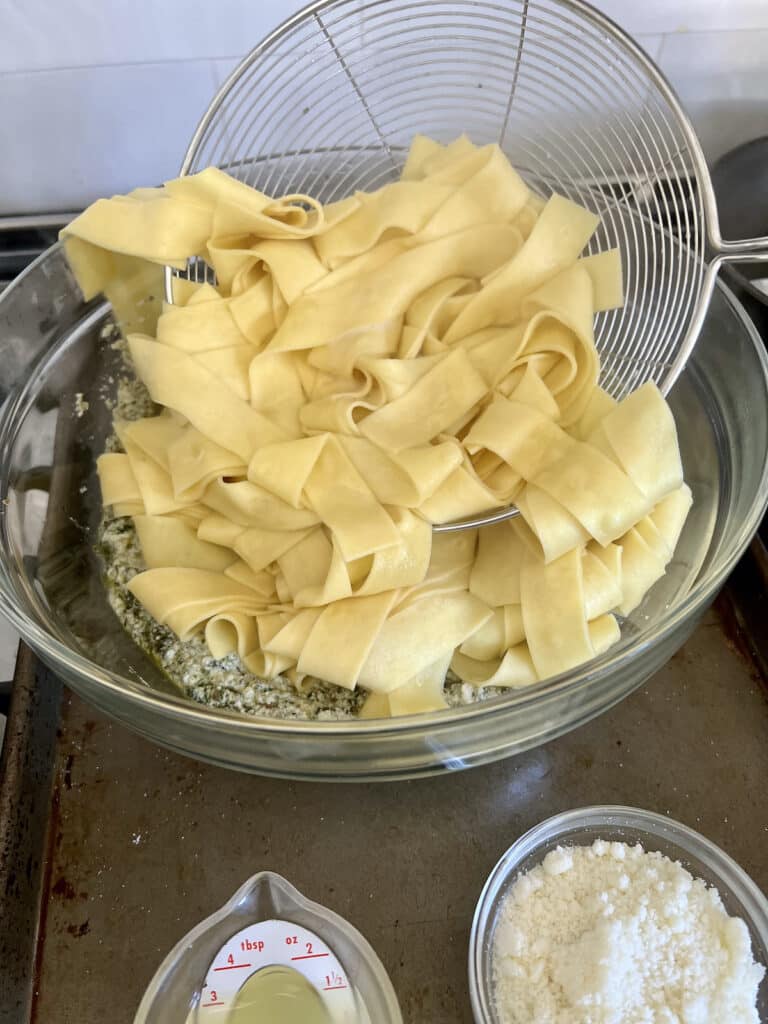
(610, 934)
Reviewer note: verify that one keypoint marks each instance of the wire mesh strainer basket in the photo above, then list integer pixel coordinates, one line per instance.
(330, 101)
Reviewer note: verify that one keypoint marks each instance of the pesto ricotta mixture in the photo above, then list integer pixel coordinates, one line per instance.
(224, 682)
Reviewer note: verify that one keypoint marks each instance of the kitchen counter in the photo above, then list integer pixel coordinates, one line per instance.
(142, 843)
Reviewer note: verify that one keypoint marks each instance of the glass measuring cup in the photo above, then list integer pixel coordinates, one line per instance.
(268, 940)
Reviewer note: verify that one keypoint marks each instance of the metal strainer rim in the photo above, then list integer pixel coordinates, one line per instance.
(581, 9)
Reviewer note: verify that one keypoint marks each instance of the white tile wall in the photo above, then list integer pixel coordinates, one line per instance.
(43, 34)
(651, 42)
(71, 135)
(666, 16)
(722, 79)
(98, 97)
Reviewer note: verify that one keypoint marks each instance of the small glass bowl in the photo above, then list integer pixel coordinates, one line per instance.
(631, 825)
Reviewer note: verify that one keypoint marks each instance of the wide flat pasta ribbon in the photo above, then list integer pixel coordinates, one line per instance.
(118, 484)
(185, 598)
(148, 223)
(405, 478)
(342, 637)
(169, 542)
(200, 326)
(554, 614)
(153, 482)
(558, 237)
(195, 461)
(448, 389)
(321, 315)
(358, 372)
(417, 635)
(179, 382)
(640, 434)
(318, 470)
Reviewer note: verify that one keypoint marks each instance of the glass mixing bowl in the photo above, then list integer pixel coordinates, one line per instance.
(60, 374)
(631, 825)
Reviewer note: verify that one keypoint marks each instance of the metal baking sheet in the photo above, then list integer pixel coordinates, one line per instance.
(116, 848)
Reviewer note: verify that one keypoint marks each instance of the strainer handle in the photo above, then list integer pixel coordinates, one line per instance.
(743, 250)
(738, 250)
(476, 521)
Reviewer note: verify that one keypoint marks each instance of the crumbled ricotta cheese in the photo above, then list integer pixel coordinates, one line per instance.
(610, 934)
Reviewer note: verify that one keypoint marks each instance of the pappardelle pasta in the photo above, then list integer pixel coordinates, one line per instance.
(359, 372)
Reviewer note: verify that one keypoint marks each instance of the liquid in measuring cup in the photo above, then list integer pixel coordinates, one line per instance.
(276, 972)
(278, 995)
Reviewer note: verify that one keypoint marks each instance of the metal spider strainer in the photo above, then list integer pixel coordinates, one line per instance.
(328, 103)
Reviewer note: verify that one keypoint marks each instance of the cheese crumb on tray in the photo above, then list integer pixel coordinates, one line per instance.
(610, 934)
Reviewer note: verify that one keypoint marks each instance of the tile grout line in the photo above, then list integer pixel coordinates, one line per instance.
(156, 61)
(21, 72)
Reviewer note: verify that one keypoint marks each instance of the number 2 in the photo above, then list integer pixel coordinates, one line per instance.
(309, 947)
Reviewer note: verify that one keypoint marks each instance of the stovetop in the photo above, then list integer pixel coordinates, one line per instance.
(22, 239)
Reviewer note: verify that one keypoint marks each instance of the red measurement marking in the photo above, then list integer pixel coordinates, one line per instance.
(333, 988)
(231, 967)
(309, 956)
(219, 1003)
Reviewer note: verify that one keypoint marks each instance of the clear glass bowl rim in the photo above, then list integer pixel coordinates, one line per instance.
(721, 864)
(64, 658)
